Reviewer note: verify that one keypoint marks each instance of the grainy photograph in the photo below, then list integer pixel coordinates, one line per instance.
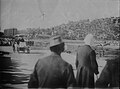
(61, 44)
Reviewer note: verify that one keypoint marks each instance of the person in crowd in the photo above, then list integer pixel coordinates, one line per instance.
(109, 76)
(86, 64)
(52, 71)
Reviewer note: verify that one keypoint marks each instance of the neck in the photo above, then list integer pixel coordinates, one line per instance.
(58, 53)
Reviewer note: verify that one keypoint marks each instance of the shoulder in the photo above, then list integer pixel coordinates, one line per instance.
(113, 61)
(86, 47)
(64, 64)
(113, 65)
(43, 59)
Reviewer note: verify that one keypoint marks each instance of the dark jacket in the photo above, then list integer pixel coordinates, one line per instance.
(109, 76)
(52, 72)
(86, 66)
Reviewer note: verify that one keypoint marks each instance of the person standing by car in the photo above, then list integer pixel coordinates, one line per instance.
(52, 71)
(86, 64)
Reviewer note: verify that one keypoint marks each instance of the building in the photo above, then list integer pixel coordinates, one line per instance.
(10, 32)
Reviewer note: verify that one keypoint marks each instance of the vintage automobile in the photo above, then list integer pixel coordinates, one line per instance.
(22, 47)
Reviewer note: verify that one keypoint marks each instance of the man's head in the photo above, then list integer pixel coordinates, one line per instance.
(56, 44)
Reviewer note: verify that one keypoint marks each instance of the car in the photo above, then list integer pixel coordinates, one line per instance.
(22, 47)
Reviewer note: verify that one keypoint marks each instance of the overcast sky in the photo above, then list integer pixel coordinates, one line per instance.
(24, 14)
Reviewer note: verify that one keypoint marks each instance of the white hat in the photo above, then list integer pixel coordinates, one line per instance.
(56, 40)
(89, 39)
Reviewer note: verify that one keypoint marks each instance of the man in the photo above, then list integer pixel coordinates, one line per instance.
(86, 64)
(13, 45)
(52, 71)
(109, 76)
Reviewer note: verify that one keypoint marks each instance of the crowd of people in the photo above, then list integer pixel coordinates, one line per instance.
(53, 72)
(5, 41)
(103, 28)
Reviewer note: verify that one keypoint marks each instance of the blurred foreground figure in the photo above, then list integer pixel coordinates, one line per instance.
(86, 64)
(110, 74)
(52, 71)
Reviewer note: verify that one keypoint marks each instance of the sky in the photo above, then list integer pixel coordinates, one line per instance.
(22, 14)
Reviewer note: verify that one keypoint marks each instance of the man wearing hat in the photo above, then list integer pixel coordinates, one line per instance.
(52, 71)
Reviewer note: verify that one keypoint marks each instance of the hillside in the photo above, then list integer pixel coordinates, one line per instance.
(103, 28)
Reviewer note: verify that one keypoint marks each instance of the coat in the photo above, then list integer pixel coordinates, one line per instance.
(86, 66)
(109, 76)
(52, 72)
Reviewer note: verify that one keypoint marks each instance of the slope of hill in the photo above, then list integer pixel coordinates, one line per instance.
(103, 28)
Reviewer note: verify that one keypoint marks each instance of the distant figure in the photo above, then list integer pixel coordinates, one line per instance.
(86, 64)
(18, 42)
(13, 45)
(109, 76)
(52, 71)
(22, 39)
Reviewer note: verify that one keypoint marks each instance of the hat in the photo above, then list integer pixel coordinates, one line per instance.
(89, 39)
(56, 40)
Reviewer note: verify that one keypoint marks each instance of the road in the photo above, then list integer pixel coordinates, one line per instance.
(17, 67)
